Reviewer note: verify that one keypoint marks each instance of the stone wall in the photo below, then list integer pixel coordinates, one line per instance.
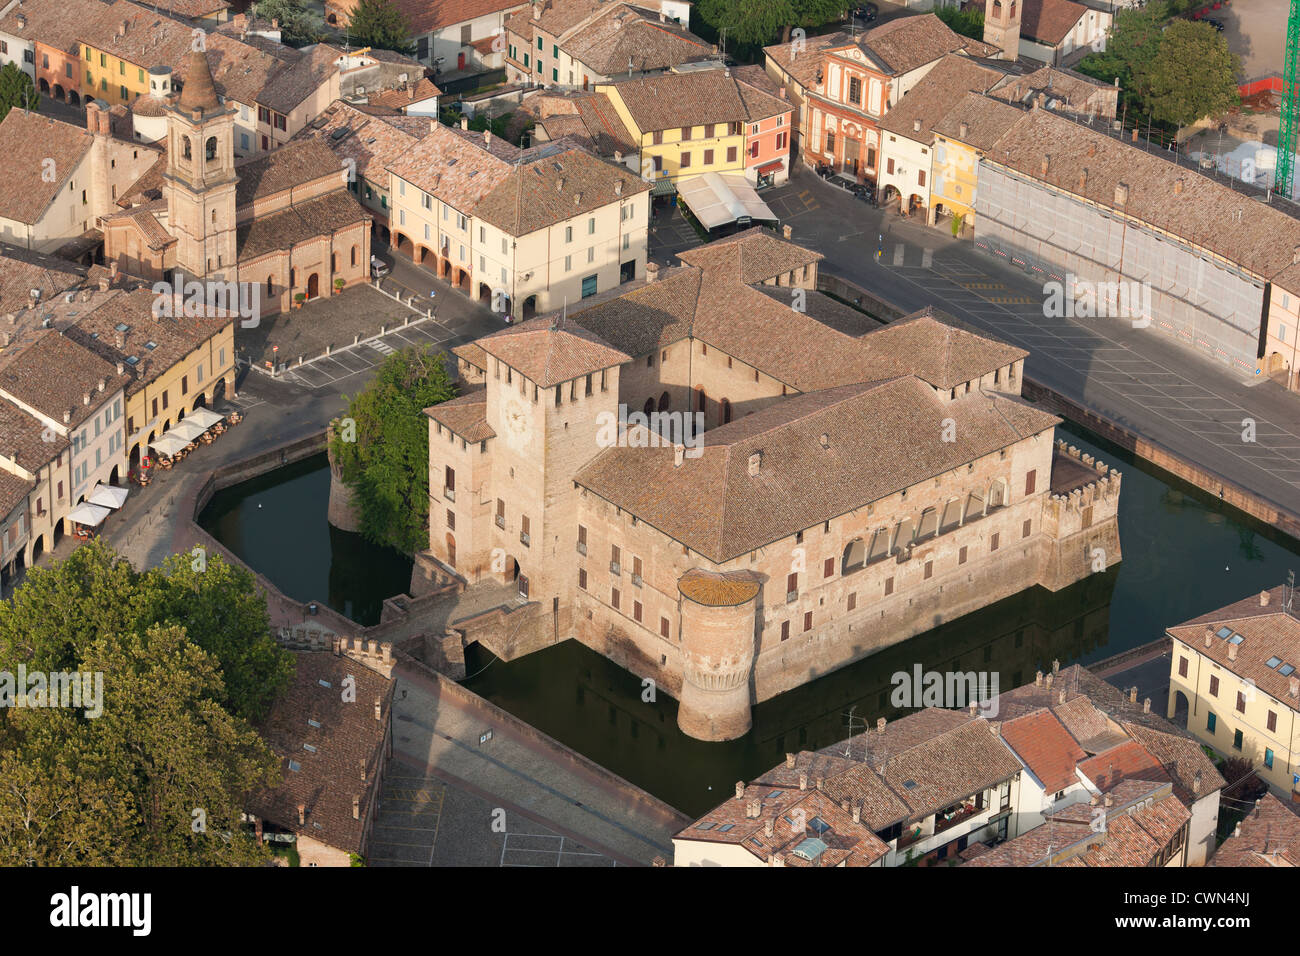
(342, 512)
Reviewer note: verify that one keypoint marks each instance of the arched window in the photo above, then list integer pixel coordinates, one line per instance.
(997, 494)
(270, 285)
(974, 507)
(211, 148)
(903, 535)
(929, 524)
(879, 545)
(293, 278)
(334, 262)
(186, 150)
(664, 401)
(700, 398)
(855, 556)
(726, 410)
(649, 407)
(354, 255)
(951, 515)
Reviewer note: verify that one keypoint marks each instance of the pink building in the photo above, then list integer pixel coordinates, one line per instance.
(767, 140)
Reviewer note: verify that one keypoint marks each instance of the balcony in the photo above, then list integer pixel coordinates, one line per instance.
(615, 568)
(501, 522)
(582, 547)
(950, 817)
(525, 538)
(636, 580)
(791, 597)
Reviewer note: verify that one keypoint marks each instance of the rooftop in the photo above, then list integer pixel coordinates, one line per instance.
(41, 154)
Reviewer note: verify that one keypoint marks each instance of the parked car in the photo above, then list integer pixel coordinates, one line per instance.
(378, 268)
(1217, 24)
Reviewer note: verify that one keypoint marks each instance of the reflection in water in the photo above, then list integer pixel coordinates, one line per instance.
(276, 524)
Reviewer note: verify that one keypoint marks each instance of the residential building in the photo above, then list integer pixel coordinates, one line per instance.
(1061, 90)
(119, 47)
(1268, 835)
(282, 223)
(795, 67)
(794, 397)
(581, 43)
(333, 754)
(39, 457)
(855, 81)
(1055, 32)
(1233, 681)
(521, 230)
(60, 178)
(415, 98)
(41, 38)
(967, 132)
(688, 124)
(1219, 269)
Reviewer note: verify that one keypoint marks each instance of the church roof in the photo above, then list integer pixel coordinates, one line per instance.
(299, 162)
(200, 92)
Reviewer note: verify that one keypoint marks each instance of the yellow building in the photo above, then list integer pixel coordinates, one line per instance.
(960, 139)
(1235, 679)
(686, 124)
(119, 47)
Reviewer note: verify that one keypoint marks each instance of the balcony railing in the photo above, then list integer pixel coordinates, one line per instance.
(636, 580)
(963, 812)
(524, 538)
(614, 568)
(791, 597)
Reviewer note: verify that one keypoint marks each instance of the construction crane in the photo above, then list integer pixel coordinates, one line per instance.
(1286, 143)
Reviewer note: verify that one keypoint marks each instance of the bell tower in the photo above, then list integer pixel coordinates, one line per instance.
(1002, 26)
(200, 178)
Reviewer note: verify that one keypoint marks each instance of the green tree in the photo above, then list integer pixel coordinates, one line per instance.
(120, 784)
(379, 23)
(748, 22)
(387, 465)
(1192, 76)
(16, 89)
(1133, 44)
(969, 23)
(299, 24)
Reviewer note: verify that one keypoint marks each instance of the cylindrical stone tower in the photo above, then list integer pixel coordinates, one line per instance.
(342, 512)
(718, 614)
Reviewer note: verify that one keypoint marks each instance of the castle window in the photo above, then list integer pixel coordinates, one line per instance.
(186, 150)
(582, 578)
(210, 149)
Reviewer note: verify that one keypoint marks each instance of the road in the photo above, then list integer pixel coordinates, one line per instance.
(1139, 378)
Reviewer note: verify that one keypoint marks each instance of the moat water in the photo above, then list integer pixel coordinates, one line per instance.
(1184, 553)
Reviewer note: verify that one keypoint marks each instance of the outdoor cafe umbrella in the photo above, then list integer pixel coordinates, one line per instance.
(87, 514)
(168, 444)
(188, 430)
(108, 496)
(204, 417)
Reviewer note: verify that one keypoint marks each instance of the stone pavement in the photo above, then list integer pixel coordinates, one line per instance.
(436, 735)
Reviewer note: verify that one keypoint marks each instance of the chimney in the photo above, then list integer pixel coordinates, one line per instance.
(537, 9)
(1232, 652)
(786, 232)
(1146, 705)
(785, 95)
(1121, 194)
(857, 813)
(364, 775)
(356, 807)
(1132, 695)
(559, 185)
(679, 455)
(1197, 783)
(487, 137)
(768, 825)
(754, 461)
(821, 783)
(1056, 666)
(1083, 179)
(379, 709)
(963, 130)
(1047, 162)
(85, 398)
(651, 272)
(302, 814)
(1178, 185)
(1110, 800)
(618, 156)
(103, 382)
(1263, 599)
(121, 367)
(1038, 678)
(789, 761)
(577, 199)
(618, 188)
(803, 780)
(880, 725)
(1295, 256)
(1047, 681)
(67, 416)
(1061, 697)
(119, 339)
(974, 707)
(1293, 687)
(916, 126)
(995, 728)
(1092, 150)
(464, 122)
(121, 30)
(663, 17)
(740, 789)
(1209, 636)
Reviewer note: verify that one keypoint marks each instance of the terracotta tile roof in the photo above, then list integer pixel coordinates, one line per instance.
(1046, 748)
(344, 738)
(22, 270)
(1032, 848)
(298, 162)
(27, 141)
(548, 356)
(370, 142)
(646, 318)
(553, 186)
(1088, 724)
(829, 836)
(473, 354)
(171, 340)
(190, 9)
(54, 375)
(465, 415)
(453, 168)
(557, 18)
(904, 44)
(624, 34)
(607, 132)
(1047, 21)
(48, 22)
(302, 221)
(296, 80)
(803, 63)
(752, 74)
(13, 490)
(933, 98)
(426, 16)
(1268, 836)
(864, 788)
(1267, 633)
(151, 39)
(25, 434)
(1182, 758)
(670, 100)
(1120, 763)
(711, 504)
(752, 256)
(1074, 90)
(422, 89)
(144, 218)
(241, 71)
(1203, 211)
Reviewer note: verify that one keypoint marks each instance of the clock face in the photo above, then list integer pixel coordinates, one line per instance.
(518, 423)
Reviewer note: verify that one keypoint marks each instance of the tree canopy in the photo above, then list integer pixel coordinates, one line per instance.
(299, 24)
(387, 463)
(16, 89)
(969, 23)
(754, 23)
(378, 23)
(159, 775)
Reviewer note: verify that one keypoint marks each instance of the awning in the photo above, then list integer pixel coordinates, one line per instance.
(662, 187)
(716, 199)
(87, 514)
(204, 417)
(108, 496)
(168, 444)
(770, 167)
(188, 430)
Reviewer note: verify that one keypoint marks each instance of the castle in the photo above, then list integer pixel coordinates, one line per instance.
(854, 485)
